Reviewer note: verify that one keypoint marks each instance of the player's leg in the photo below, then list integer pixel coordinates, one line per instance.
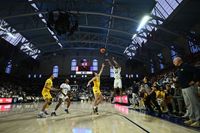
(95, 102)
(48, 100)
(120, 86)
(115, 90)
(45, 106)
(95, 99)
(100, 98)
(57, 106)
(43, 112)
(67, 104)
(115, 87)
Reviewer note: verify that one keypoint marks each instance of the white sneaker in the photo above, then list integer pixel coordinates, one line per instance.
(41, 115)
(189, 122)
(195, 124)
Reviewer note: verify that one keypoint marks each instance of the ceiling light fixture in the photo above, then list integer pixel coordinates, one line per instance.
(143, 22)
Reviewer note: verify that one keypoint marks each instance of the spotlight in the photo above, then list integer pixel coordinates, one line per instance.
(144, 20)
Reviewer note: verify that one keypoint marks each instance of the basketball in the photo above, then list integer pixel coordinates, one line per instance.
(102, 50)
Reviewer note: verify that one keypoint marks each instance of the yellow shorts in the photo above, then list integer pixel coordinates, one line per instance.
(46, 94)
(96, 91)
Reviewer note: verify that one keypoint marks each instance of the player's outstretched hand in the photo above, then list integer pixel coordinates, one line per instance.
(103, 65)
(88, 85)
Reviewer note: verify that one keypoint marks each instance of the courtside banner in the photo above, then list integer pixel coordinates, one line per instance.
(5, 107)
(121, 99)
(5, 100)
(118, 99)
(125, 99)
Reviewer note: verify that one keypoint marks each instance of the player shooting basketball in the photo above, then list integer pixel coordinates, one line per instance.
(117, 75)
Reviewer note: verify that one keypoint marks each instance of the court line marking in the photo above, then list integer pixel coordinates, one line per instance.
(130, 121)
(127, 119)
(177, 124)
(135, 124)
(123, 117)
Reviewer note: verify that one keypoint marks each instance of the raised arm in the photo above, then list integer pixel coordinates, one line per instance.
(101, 70)
(115, 62)
(91, 81)
(111, 65)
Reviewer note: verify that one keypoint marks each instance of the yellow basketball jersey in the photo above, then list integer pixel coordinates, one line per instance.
(96, 83)
(49, 84)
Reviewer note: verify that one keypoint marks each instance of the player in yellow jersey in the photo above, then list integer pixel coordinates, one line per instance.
(47, 96)
(96, 89)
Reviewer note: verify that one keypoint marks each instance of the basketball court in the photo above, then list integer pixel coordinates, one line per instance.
(111, 119)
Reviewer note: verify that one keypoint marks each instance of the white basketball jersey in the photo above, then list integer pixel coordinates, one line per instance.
(117, 72)
(65, 88)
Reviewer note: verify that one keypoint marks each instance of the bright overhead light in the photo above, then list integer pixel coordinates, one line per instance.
(55, 37)
(44, 21)
(134, 36)
(34, 6)
(8, 33)
(40, 15)
(145, 19)
(2, 28)
(60, 45)
(52, 33)
(11, 35)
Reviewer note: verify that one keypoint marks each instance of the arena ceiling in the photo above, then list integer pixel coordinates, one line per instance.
(102, 23)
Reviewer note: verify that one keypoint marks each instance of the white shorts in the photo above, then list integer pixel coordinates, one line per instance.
(61, 96)
(118, 83)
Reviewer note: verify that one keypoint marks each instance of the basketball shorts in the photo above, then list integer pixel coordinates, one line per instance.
(61, 96)
(46, 95)
(118, 83)
(96, 91)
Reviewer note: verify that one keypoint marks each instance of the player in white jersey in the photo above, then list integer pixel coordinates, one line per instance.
(64, 96)
(117, 75)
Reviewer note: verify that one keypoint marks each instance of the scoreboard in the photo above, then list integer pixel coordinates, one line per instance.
(84, 67)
